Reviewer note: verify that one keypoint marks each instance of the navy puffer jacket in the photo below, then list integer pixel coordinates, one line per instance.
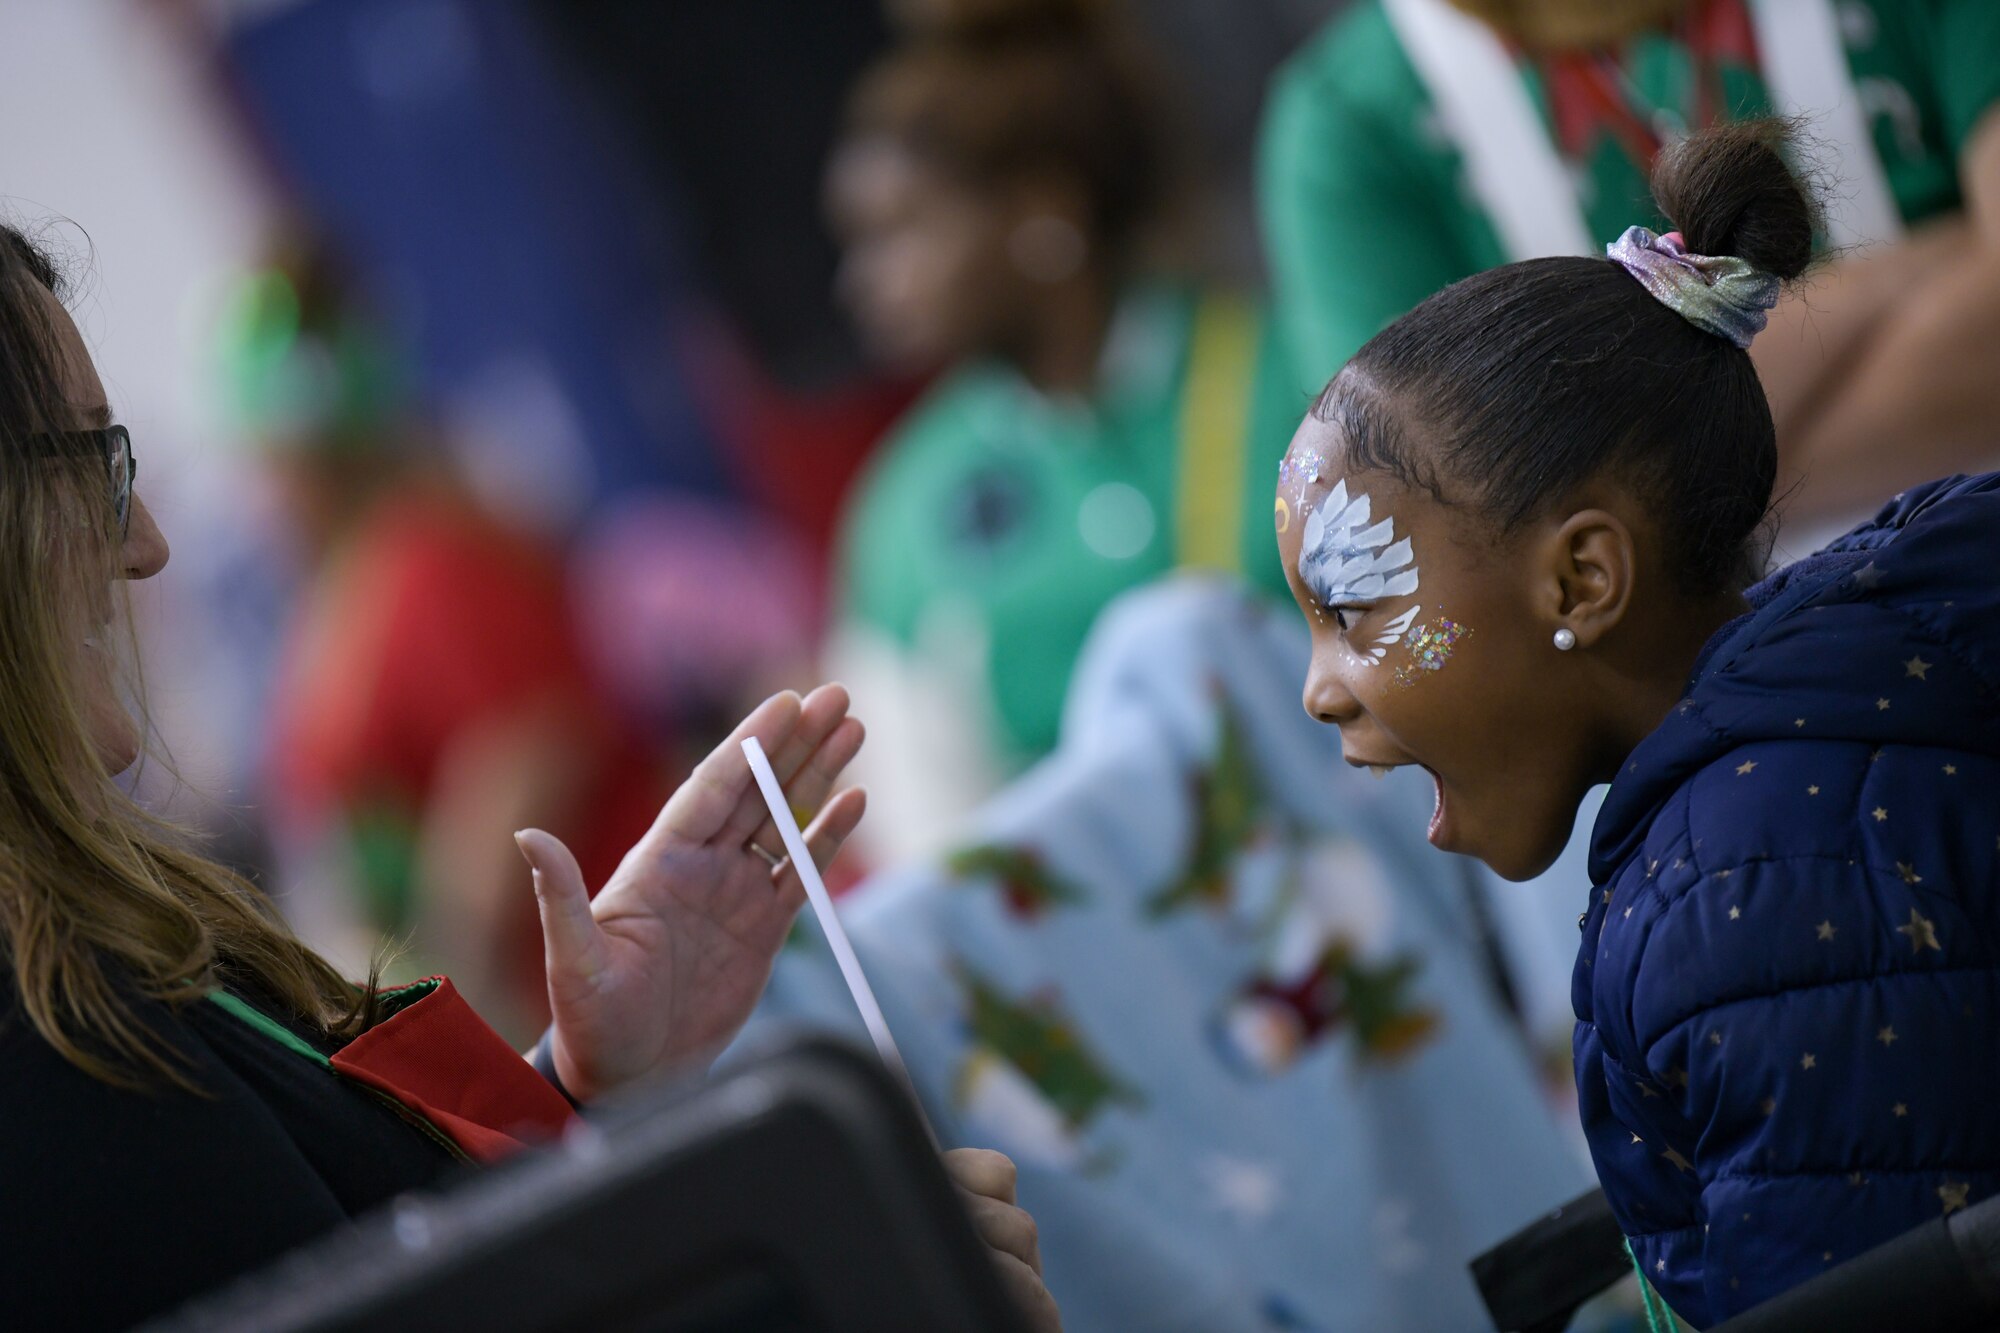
(1788, 992)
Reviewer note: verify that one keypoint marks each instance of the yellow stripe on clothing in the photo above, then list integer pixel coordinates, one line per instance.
(1215, 416)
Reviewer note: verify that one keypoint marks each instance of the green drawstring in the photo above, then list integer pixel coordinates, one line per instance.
(1659, 1319)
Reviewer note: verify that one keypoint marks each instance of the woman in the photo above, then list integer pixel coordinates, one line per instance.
(1096, 427)
(188, 1091)
(1523, 522)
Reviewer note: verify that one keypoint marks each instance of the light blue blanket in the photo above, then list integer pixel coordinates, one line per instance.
(1218, 998)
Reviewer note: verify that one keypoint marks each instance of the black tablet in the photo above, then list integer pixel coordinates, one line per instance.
(798, 1191)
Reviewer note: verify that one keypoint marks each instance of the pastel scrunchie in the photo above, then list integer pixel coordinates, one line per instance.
(1721, 294)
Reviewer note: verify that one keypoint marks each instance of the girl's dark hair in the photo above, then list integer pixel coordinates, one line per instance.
(990, 91)
(1507, 391)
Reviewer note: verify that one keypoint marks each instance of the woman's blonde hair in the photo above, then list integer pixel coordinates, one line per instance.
(103, 905)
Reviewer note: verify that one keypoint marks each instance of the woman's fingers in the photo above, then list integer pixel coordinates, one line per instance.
(823, 839)
(715, 792)
(1005, 1228)
(572, 946)
(820, 714)
(806, 791)
(982, 1171)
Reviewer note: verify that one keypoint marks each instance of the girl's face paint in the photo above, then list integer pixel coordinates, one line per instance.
(1297, 472)
(1391, 633)
(1378, 643)
(1349, 562)
(1497, 740)
(1431, 645)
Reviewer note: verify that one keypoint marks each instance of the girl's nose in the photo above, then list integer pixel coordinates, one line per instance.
(1327, 699)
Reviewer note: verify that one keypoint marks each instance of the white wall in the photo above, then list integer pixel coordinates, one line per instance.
(107, 118)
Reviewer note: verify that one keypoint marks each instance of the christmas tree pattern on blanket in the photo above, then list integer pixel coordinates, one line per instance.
(1030, 1079)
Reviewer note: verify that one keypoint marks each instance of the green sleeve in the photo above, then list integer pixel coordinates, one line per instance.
(1967, 66)
(873, 583)
(1355, 218)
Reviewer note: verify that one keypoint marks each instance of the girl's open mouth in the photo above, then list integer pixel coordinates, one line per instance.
(1439, 831)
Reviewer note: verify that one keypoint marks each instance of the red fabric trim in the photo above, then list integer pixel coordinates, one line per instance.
(439, 1059)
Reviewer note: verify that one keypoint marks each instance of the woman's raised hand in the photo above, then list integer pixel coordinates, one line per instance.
(667, 962)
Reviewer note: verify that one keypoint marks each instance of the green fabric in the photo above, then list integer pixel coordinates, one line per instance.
(270, 1027)
(1366, 214)
(382, 838)
(1659, 1318)
(975, 508)
(1963, 38)
(392, 1000)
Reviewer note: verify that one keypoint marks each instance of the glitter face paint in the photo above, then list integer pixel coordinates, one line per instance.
(1344, 560)
(1431, 645)
(1297, 472)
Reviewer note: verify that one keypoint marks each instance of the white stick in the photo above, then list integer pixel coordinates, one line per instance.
(822, 905)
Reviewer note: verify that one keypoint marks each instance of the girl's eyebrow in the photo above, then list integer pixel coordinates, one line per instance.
(100, 416)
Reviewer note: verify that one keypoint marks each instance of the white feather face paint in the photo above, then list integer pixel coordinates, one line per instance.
(1391, 632)
(1345, 561)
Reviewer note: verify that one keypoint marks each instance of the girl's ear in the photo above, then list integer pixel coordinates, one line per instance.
(1589, 563)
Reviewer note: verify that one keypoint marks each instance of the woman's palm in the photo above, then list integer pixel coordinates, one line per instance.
(665, 965)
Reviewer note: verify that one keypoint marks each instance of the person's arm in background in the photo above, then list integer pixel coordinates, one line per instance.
(1917, 396)
(522, 768)
(1821, 328)
(1353, 233)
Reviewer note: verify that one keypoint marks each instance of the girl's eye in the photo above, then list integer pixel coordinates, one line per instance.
(1345, 616)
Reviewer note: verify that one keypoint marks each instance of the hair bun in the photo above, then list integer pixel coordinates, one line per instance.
(1730, 191)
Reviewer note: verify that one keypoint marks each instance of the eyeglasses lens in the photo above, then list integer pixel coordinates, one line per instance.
(122, 472)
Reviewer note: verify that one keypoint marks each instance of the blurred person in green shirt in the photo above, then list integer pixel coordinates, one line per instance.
(1096, 425)
(1416, 142)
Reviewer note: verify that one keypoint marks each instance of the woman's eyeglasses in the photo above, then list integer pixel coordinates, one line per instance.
(114, 445)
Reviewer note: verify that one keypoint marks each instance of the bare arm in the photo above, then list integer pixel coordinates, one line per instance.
(520, 770)
(1822, 327)
(1918, 395)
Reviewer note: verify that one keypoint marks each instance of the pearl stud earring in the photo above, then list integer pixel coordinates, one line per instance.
(1565, 639)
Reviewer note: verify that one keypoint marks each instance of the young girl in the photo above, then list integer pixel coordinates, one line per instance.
(1523, 523)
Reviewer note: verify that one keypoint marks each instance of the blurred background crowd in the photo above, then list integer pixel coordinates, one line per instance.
(529, 386)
